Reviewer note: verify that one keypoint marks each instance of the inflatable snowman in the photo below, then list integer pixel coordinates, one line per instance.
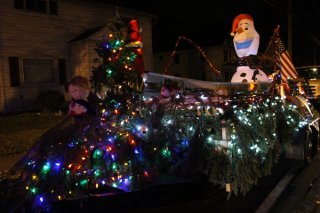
(246, 43)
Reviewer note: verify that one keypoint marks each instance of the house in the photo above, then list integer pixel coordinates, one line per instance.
(195, 63)
(46, 42)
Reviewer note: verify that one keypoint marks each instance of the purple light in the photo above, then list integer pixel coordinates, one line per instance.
(185, 143)
(106, 45)
(124, 184)
(110, 140)
(57, 166)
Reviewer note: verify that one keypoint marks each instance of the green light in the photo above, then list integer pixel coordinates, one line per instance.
(114, 166)
(166, 153)
(210, 140)
(46, 168)
(97, 173)
(97, 154)
(109, 72)
(33, 190)
(83, 182)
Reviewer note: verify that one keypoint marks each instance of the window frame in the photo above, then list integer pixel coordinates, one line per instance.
(23, 82)
(51, 6)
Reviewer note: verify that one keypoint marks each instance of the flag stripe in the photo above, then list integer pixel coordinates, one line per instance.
(283, 62)
(287, 65)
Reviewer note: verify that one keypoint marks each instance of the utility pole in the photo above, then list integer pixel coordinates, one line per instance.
(290, 28)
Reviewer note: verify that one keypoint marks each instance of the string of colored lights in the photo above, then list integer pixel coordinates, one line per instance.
(211, 65)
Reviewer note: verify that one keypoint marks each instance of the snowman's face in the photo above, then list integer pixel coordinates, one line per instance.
(246, 39)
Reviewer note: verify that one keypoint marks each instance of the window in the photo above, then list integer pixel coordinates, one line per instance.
(225, 56)
(14, 71)
(203, 75)
(53, 7)
(42, 6)
(19, 4)
(176, 59)
(38, 71)
(36, 5)
(62, 71)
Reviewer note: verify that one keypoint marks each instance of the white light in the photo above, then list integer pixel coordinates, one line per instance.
(220, 110)
(203, 97)
(144, 77)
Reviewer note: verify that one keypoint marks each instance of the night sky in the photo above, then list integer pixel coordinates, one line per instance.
(208, 22)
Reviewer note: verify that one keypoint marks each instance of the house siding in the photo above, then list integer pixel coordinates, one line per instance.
(37, 35)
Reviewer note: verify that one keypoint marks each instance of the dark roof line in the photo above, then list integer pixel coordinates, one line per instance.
(87, 33)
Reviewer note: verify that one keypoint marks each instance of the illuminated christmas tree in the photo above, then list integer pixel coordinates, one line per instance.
(100, 153)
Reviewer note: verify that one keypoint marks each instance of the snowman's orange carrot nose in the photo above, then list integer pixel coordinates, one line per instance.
(239, 30)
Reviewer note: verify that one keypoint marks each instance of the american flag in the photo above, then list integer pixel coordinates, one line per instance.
(283, 62)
